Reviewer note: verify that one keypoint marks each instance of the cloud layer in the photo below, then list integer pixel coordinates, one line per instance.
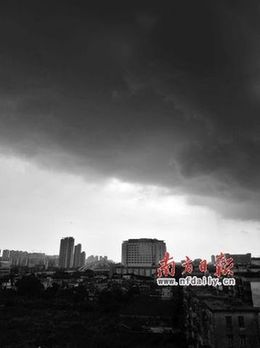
(164, 94)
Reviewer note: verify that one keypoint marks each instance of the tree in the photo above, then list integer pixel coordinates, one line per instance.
(29, 286)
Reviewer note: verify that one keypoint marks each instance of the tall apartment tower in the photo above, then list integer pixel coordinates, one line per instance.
(66, 252)
(77, 252)
(142, 252)
(82, 259)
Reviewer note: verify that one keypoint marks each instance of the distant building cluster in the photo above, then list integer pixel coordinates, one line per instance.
(25, 259)
(71, 256)
(95, 258)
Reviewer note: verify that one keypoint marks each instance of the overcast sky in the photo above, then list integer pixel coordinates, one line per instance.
(130, 119)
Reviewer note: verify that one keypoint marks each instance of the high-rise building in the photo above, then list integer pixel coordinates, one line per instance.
(142, 252)
(18, 258)
(66, 252)
(77, 252)
(6, 255)
(82, 259)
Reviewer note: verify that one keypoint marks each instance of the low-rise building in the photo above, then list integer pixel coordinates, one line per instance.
(217, 320)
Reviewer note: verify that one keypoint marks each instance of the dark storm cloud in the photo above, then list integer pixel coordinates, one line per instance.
(160, 93)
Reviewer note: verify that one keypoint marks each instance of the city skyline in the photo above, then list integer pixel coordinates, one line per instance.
(97, 254)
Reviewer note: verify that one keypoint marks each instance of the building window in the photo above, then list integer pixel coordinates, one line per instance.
(230, 341)
(241, 321)
(229, 322)
(242, 341)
